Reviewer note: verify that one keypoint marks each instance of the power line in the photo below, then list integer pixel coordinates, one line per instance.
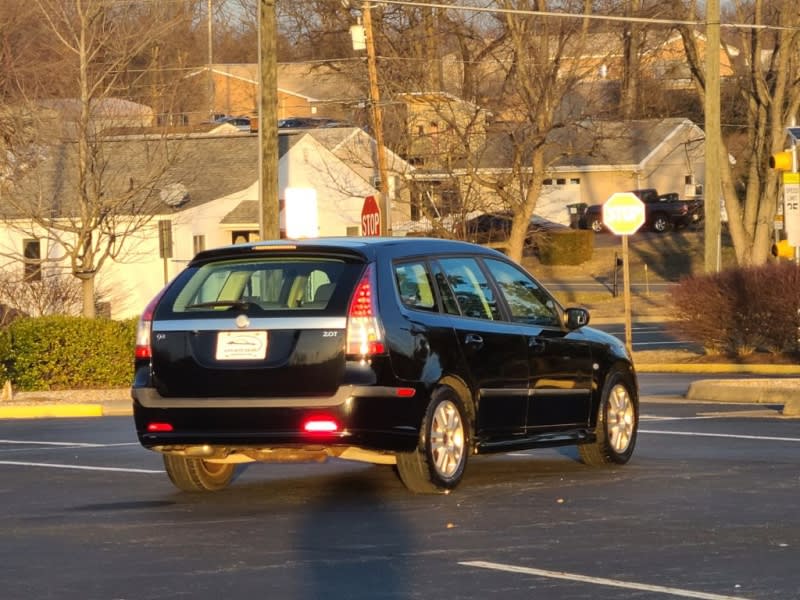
(553, 14)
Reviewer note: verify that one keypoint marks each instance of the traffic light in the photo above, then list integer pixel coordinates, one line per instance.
(783, 249)
(782, 161)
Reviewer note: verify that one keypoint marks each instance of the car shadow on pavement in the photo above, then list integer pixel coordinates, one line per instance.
(352, 544)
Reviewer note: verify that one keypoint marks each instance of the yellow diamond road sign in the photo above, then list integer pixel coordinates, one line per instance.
(623, 213)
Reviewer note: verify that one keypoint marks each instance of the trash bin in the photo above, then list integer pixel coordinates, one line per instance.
(575, 214)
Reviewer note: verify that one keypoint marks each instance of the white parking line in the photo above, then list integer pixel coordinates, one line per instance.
(598, 580)
(657, 418)
(15, 463)
(67, 444)
(38, 443)
(765, 438)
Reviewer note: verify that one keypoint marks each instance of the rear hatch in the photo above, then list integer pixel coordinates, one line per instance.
(254, 325)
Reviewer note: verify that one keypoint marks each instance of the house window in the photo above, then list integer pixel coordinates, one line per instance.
(575, 181)
(561, 182)
(32, 251)
(199, 243)
(547, 182)
(241, 237)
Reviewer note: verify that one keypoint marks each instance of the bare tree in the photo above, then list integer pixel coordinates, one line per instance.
(524, 79)
(66, 188)
(769, 86)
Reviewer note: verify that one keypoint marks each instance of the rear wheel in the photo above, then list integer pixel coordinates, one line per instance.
(596, 224)
(617, 425)
(438, 463)
(196, 474)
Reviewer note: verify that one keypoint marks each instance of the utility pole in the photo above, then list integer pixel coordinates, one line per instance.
(712, 189)
(377, 120)
(210, 62)
(268, 120)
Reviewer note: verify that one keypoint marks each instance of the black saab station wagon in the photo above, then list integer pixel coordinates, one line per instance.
(410, 352)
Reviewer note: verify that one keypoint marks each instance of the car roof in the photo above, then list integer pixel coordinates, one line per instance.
(358, 247)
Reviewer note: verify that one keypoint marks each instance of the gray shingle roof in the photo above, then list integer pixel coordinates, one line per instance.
(589, 144)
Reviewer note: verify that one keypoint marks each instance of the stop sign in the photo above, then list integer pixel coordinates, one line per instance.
(623, 213)
(370, 217)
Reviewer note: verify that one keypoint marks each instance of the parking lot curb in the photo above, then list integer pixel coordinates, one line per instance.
(720, 368)
(51, 410)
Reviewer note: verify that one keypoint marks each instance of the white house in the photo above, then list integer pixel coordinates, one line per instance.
(205, 195)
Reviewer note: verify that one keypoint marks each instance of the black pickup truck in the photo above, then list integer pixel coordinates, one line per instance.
(662, 212)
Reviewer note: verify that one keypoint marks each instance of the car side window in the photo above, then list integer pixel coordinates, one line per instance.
(471, 288)
(414, 286)
(526, 300)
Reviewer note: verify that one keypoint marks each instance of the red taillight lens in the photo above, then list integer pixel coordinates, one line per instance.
(143, 350)
(159, 427)
(320, 426)
(364, 331)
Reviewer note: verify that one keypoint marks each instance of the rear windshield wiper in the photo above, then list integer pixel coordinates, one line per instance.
(238, 304)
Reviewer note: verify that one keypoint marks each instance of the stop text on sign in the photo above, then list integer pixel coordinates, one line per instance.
(623, 213)
(371, 224)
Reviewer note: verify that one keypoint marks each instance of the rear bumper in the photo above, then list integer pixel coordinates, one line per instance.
(369, 417)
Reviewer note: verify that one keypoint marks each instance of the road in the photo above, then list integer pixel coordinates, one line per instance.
(707, 509)
(649, 336)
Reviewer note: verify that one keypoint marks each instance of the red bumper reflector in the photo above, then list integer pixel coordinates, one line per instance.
(157, 427)
(320, 426)
(406, 392)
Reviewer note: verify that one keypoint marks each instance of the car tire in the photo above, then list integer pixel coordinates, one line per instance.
(617, 424)
(196, 474)
(596, 225)
(661, 223)
(437, 465)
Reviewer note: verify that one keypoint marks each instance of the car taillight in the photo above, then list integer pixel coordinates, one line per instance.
(143, 350)
(364, 331)
(320, 425)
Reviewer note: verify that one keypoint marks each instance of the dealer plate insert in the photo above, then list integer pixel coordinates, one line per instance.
(241, 345)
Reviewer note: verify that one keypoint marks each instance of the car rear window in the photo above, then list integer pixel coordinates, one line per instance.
(258, 285)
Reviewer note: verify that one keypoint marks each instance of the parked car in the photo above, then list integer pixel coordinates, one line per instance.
(241, 123)
(411, 352)
(310, 123)
(492, 228)
(662, 212)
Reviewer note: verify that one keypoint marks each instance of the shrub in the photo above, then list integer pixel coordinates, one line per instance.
(738, 311)
(60, 352)
(571, 247)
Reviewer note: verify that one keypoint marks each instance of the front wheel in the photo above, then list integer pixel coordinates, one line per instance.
(596, 225)
(661, 223)
(196, 474)
(617, 425)
(438, 463)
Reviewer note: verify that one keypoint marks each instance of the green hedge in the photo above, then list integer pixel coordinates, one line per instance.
(59, 352)
(571, 247)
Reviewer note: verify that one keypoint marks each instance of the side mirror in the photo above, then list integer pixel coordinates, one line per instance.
(576, 317)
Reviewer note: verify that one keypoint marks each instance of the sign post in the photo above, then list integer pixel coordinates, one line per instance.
(370, 217)
(623, 214)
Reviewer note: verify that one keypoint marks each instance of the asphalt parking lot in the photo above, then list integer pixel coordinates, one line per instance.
(707, 509)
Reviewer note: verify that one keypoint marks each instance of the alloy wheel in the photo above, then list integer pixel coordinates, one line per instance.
(620, 417)
(447, 439)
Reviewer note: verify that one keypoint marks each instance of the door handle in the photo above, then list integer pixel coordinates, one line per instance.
(473, 340)
(536, 344)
